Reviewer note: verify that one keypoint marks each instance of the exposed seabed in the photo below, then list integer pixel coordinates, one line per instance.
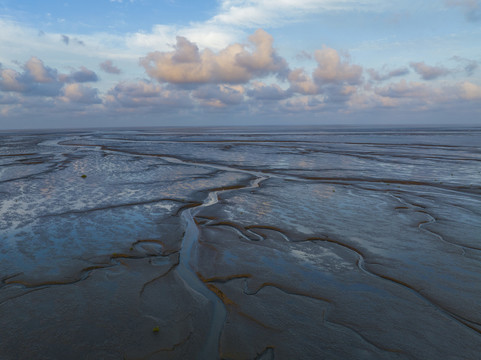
(245, 244)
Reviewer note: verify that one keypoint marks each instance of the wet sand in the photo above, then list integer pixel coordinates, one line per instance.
(241, 244)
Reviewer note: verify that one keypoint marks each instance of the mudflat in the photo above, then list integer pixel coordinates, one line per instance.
(241, 243)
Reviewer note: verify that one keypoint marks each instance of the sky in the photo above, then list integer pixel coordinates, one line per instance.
(115, 63)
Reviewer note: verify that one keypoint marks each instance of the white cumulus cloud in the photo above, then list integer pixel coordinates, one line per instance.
(234, 64)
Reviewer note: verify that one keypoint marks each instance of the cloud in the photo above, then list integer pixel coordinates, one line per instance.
(261, 91)
(340, 94)
(8, 99)
(303, 55)
(470, 91)
(78, 93)
(268, 12)
(109, 67)
(334, 77)
(304, 104)
(376, 76)
(429, 72)
(301, 83)
(235, 16)
(247, 78)
(404, 89)
(40, 80)
(472, 8)
(80, 76)
(10, 80)
(219, 95)
(36, 79)
(469, 66)
(158, 36)
(332, 68)
(28, 106)
(65, 39)
(425, 96)
(40, 73)
(362, 101)
(79, 42)
(233, 65)
(146, 94)
(204, 35)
